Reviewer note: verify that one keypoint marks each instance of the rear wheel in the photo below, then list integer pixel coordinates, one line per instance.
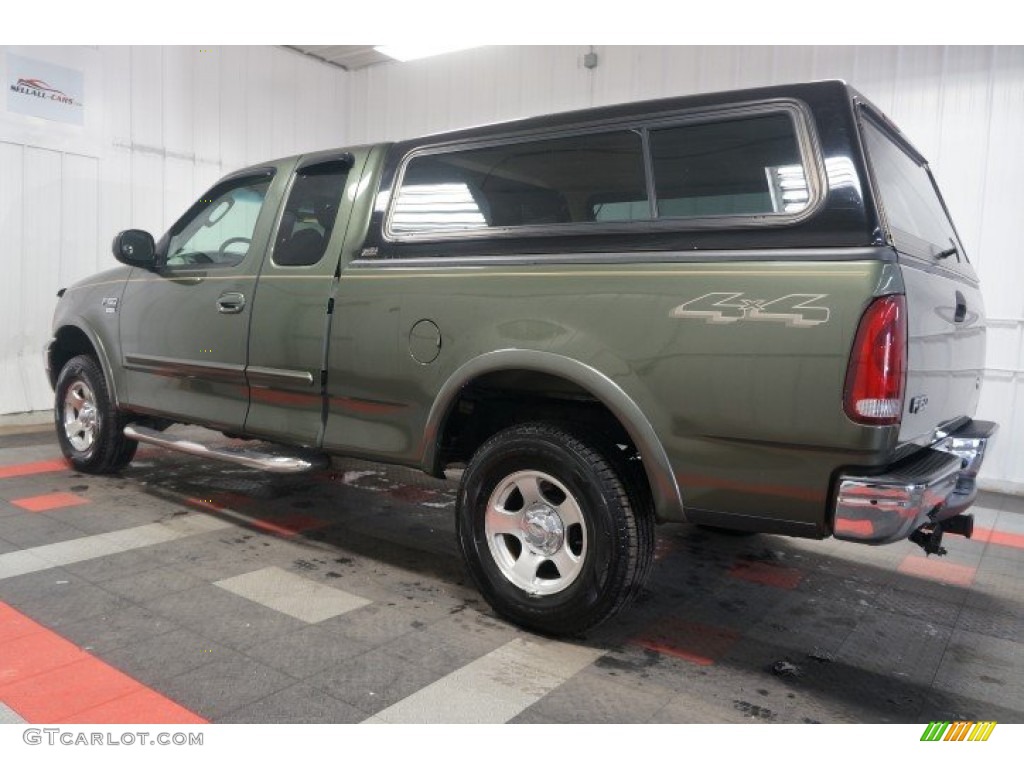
(89, 427)
(553, 534)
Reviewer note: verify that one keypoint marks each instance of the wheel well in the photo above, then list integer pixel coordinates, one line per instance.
(68, 343)
(495, 401)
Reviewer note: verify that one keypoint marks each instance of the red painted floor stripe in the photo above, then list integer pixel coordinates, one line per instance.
(412, 494)
(701, 644)
(49, 501)
(934, 569)
(1000, 538)
(679, 653)
(767, 573)
(33, 468)
(46, 679)
(141, 707)
(292, 525)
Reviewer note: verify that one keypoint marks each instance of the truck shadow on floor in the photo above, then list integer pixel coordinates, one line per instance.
(762, 627)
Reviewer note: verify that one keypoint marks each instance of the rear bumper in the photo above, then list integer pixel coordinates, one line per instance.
(934, 484)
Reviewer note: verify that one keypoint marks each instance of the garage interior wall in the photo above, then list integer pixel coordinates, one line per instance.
(170, 120)
(161, 124)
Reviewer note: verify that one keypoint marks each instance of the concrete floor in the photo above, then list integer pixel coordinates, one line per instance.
(184, 591)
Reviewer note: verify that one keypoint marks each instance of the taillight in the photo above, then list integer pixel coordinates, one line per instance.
(878, 363)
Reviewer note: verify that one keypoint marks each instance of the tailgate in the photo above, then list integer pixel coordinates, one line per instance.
(945, 314)
(946, 351)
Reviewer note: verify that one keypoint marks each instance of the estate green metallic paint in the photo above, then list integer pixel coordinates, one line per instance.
(82, 308)
(288, 328)
(748, 414)
(173, 314)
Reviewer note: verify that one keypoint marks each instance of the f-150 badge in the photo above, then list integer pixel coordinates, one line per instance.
(797, 310)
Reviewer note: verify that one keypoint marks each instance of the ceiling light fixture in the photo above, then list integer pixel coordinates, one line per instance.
(411, 52)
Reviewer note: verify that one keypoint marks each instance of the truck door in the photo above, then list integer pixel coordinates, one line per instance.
(291, 314)
(184, 327)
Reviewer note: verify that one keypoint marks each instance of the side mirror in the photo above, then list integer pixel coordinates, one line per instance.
(136, 248)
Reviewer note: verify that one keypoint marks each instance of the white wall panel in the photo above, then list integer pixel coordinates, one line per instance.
(234, 119)
(282, 117)
(178, 99)
(206, 93)
(162, 124)
(42, 213)
(259, 106)
(13, 393)
(179, 191)
(147, 91)
(80, 180)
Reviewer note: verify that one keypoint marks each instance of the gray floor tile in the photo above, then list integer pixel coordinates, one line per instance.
(225, 685)
(985, 668)
(302, 703)
(117, 566)
(33, 530)
(595, 698)
(152, 584)
(223, 617)
(377, 679)
(60, 602)
(125, 625)
(903, 648)
(373, 625)
(308, 651)
(156, 660)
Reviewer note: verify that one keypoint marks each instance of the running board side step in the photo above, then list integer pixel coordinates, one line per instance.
(286, 461)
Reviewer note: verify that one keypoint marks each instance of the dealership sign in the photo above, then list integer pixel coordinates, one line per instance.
(45, 90)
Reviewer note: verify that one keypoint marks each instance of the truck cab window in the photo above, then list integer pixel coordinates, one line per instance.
(309, 215)
(217, 230)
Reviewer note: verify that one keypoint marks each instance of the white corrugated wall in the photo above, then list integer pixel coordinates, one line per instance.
(161, 124)
(962, 106)
(172, 119)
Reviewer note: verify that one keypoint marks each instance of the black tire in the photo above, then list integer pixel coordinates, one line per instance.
(89, 427)
(607, 554)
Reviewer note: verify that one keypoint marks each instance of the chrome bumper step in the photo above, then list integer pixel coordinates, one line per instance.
(279, 459)
(928, 489)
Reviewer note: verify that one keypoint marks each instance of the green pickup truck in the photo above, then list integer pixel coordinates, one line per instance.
(747, 310)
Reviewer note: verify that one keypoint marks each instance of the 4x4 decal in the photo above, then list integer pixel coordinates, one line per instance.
(797, 310)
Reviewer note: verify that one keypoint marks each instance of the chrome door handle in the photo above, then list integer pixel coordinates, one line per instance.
(230, 303)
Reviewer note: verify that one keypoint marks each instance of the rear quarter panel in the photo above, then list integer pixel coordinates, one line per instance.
(748, 410)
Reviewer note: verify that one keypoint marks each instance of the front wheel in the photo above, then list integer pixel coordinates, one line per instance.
(555, 537)
(89, 427)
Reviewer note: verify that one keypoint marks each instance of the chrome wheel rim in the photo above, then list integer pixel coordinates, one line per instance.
(81, 419)
(535, 532)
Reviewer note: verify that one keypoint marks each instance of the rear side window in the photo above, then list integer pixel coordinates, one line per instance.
(735, 167)
(916, 216)
(309, 214)
(592, 177)
(745, 164)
